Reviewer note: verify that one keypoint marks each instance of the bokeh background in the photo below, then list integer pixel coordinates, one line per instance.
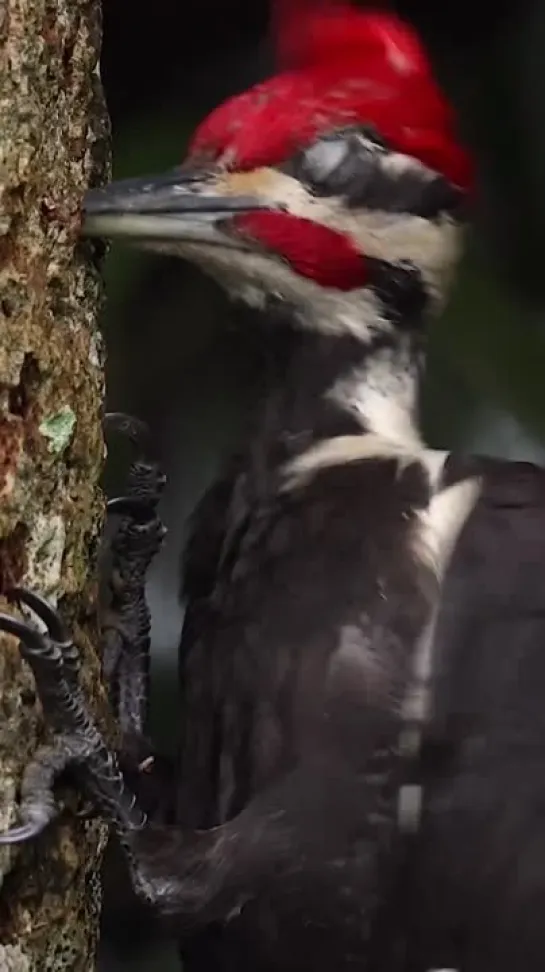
(187, 362)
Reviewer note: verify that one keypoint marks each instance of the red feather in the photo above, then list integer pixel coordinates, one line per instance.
(290, 22)
(313, 251)
(346, 66)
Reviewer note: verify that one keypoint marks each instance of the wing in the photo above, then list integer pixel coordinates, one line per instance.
(481, 858)
(216, 521)
(305, 605)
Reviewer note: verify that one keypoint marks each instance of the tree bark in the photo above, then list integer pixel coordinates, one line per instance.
(54, 144)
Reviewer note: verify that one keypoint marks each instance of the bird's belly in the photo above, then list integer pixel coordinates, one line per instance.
(318, 922)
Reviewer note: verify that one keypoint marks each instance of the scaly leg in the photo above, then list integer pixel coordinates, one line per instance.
(292, 832)
(194, 877)
(125, 620)
(76, 740)
(171, 870)
(125, 649)
(153, 851)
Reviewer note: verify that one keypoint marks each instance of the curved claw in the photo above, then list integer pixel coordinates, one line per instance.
(30, 638)
(136, 430)
(55, 627)
(54, 666)
(76, 739)
(17, 835)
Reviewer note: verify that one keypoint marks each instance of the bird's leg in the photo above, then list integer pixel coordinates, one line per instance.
(195, 877)
(171, 870)
(125, 617)
(190, 877)
(77, 743)
(55, 662)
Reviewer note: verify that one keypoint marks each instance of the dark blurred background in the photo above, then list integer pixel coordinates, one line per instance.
(183, 359)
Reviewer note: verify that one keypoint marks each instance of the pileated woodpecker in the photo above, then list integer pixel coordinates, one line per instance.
(331, 198)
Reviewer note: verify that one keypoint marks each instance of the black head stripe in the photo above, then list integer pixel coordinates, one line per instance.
(410, 191)
(357, 166)
(401, 290)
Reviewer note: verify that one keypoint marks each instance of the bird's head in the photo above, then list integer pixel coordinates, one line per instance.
(340, 175)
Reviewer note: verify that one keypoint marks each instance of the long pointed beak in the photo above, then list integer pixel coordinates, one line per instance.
(179, 206)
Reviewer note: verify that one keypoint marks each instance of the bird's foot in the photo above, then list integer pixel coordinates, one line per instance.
(166, 871)
(125, 616)
(77, 744)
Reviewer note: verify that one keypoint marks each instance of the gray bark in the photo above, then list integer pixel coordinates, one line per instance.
(53, 143)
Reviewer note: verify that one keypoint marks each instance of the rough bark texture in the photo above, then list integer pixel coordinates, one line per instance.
(54, 142)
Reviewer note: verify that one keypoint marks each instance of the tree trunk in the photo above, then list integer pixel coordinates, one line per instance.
(54, 135)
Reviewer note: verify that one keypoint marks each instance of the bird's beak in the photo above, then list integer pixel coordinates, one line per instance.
(177, 207)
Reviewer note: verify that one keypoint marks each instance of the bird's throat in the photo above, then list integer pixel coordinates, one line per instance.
(327, 385)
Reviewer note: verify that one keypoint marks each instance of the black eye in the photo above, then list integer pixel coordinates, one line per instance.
(330, 165)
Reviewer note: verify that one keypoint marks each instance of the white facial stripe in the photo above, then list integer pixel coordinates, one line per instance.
(383, 394)
(433, 246)
(255, 277)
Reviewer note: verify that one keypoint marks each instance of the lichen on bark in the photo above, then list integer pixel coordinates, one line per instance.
(53, 144)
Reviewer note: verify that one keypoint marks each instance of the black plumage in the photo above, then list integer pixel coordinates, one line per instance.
(466, 892)
(479, 863)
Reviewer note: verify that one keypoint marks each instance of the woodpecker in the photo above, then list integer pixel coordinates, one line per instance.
(332, 199)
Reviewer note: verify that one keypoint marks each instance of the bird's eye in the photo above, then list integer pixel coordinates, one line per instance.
(321, 160)
(328, 166)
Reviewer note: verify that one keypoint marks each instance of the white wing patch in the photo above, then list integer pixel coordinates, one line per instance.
(342, 450)
(436, 530)
(434, 245)
(438, 526)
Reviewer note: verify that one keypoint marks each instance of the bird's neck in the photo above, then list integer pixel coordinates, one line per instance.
(383, 390)
(330, 382)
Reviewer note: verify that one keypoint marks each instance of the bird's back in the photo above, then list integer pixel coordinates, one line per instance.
(478, 867)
